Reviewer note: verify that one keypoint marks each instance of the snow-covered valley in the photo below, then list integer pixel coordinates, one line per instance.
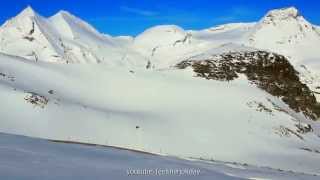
(225, 93)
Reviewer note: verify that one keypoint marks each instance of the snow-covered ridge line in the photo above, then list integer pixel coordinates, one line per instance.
(60, 38)
(73, 40)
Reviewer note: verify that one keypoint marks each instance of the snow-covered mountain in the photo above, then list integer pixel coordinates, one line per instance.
(252, 88)
(284, 27)
(285, 31)
(29, 35)
(61, 38)
(288, 33)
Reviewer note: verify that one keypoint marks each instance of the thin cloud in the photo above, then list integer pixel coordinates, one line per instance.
(137, 11)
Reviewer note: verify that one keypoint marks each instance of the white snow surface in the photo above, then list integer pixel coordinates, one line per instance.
(28, 158)
(95, 88)
(165, 112)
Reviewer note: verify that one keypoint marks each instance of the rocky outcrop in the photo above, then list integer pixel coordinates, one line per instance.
(36, 99)
(269, 71)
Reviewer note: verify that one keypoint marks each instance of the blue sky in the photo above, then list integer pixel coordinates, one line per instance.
(130, 17)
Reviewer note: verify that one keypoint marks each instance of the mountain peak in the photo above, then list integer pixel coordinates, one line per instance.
(27, 12)
(283, 13)
(64, 13)
(70, 25)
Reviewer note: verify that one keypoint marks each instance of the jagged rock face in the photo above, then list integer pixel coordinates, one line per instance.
(269, 71)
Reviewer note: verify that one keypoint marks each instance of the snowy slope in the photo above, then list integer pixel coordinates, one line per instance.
(163, 44)
(227, 33)
(317, 28)
(73, 27)
(144, 104)
(70, 161)
(166, 45)
(165, 35)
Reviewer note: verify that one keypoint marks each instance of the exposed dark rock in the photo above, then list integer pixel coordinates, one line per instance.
(283, 131)
(315, 92)
(36, 99)
(310, 150)
(276, 107)
(8, 77)
(307, 149)
(269, 71)
(154, 50)
(184, 40)
(304, 128)
(29, 38)
(148, 66)
(11, 78)
(32, 30)
(259, 107)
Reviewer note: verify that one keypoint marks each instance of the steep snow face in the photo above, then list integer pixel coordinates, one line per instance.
(80, 41)
(74, 28)
(29, 35)
(70, 23)
(64, 27)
